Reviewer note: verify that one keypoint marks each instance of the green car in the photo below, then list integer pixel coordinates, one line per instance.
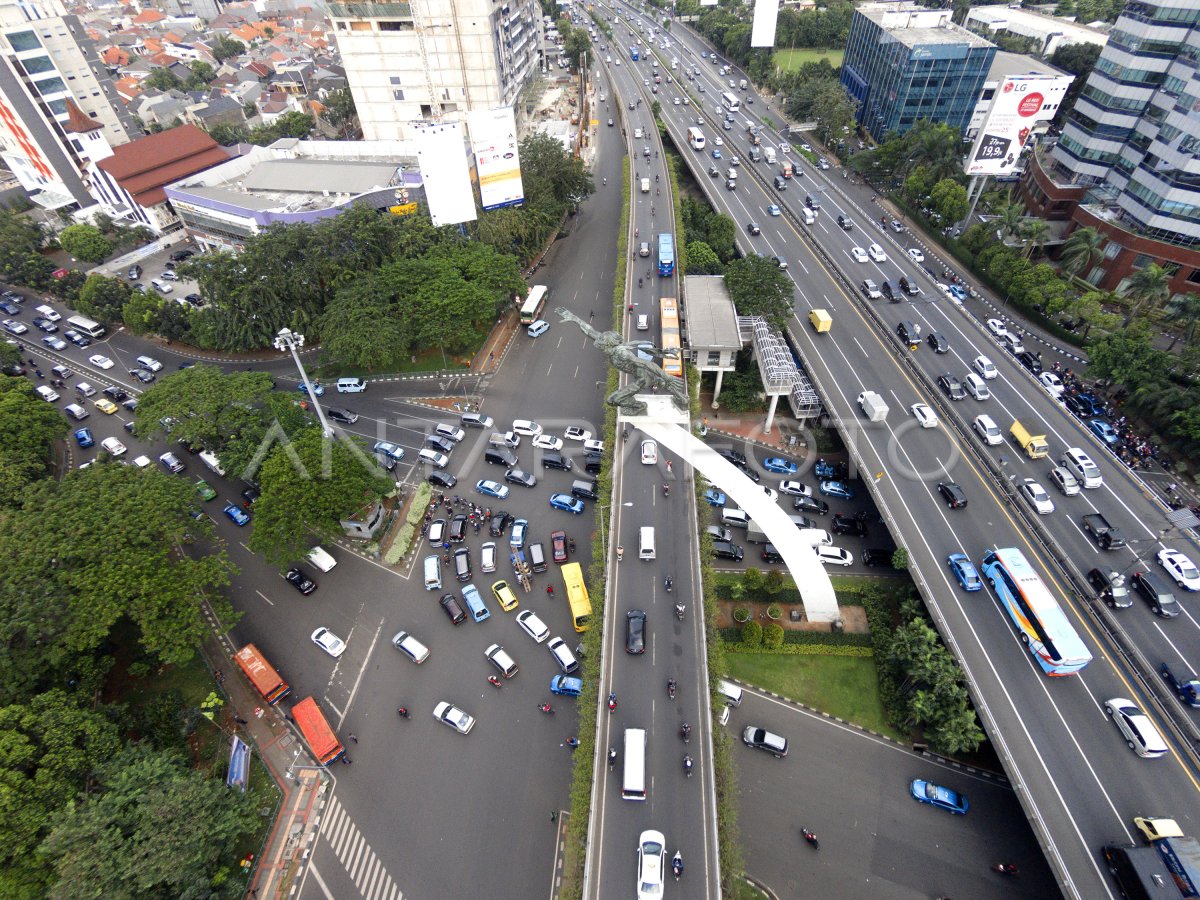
(204, 489)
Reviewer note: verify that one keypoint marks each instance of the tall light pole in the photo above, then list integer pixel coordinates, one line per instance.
(289, 340)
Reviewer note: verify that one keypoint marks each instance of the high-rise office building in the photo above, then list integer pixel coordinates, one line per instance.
(1127, 161)
(904, 63)
(58, 108)
(410, 64)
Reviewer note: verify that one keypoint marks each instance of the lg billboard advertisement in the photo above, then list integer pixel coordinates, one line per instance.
(1020, 103)
(445, 170)
(494, 143)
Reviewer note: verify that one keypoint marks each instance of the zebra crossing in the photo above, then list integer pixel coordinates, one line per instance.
(359, 860)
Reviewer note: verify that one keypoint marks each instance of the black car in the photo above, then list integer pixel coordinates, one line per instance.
(844, 223)
(848, 525)
(300, 581)
(738, 459)
(1156, 594)
(462, 563)
(181, 255)
(752, 228)
(1030, 361)
(953, 494)
(341, 414)
(728, 550)
(937, 341)
(249, 495)
(770, 554)
(908, 333)
(592, 463)
(450, 605)
(552, 459)
(500, 521)
(952, 386)
(877, 556)
(76, 338)
(16, 370)
(441, 479)
(145, 376)
(810, 505)
(516, 476)
(458, 528)
(1079, 406)
(195, 299)
(440, 444)
(635, 631)
(43, 324)
(1111, 587)
(115, 394)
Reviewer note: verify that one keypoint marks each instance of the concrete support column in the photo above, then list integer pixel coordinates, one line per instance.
(717, 388)
(771, 413)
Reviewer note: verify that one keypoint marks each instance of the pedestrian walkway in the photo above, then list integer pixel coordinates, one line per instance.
(356, 856)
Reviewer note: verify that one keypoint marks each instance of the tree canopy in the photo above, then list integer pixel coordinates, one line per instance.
(758, 287)
(29, 426)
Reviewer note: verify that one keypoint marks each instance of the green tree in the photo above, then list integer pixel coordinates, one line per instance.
(162, 79)
(758, 287)
(363, 331)
(1147, 289)
(720, 234)
(153, 827)
(547, 168)
(949, 199)
(223, 47)
(1127, 357)
(1079, 60)
(29, 427)
(1082, 250)
(142, 312)
(1183, 310)
(1035, 233)
(103, 298)
(228, 135)
(85, 242)
(308, 488)
(340, 111)
(201, 75)
(701, 260)
(293, 124)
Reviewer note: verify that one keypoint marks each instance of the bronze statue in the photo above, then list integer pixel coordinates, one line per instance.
(644, 375)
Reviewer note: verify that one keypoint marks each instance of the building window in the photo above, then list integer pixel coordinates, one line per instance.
(1194, 277)
(24, 40)
(397, 94)
(395, 79)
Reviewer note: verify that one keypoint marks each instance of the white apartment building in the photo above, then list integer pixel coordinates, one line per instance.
(427, 61)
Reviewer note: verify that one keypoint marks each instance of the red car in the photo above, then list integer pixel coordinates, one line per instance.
(558, 544)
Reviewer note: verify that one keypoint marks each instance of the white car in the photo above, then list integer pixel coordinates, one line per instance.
(916, 255)
(987, 429)
(1180, 568)
(996, 327)
(985, 367)
(771, 493)
(575, 433)
(113, 446)
(526, 427)
(547, 442)
(649, 453)
(149, 362)
(410, 647)
(46, 393)
(532, 625)
(100, 362)
(1037, 497)
(487, 557)
(652, 865)
(719, 141)
(795, 488)
(834, 556)
(1137, 729)
(926, 416)
(1052, 383)
(449, 714)
(593, 446)
(329, 642)
(859, 254)
(785, 147)
(876, 253)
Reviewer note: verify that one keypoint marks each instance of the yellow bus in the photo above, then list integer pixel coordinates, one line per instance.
(577, 596)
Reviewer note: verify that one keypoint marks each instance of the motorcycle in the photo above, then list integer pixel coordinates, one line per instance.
(612, 757)
(1005, 868)
(671, 688)
(668, 583)
(679, 608)
(811, 838)
(685, 732)
(402, 712)
(677, 865)
(620, 553)
(666, 490)
(687, 766)
(612, 702)
(494, 681)
(546, 708)
(639, 282)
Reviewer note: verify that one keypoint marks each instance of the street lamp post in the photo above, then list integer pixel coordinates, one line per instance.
(290, 340)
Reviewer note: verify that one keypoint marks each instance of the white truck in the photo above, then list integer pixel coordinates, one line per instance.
(769, 155)
(873, 406)
(743, 84)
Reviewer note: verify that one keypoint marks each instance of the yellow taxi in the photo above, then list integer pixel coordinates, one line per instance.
(106, 406)
(504, 596)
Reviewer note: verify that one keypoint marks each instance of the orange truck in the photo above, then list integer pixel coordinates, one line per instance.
(314, 727)
(262, 674)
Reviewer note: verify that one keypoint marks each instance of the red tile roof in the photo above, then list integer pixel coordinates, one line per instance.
(148, 17)
(143, 167)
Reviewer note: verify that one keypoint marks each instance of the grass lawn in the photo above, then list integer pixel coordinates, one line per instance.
(841, 686)
(791, 60)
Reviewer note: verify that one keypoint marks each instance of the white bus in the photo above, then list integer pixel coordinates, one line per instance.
(86, 326)
(696, 138)
(731, 102)
(633, 783)
(531, 309)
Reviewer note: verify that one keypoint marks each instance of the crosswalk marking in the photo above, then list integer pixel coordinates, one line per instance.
(350, 847)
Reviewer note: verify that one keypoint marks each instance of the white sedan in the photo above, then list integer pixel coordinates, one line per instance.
(924, 415)
(652, 865)
(785, 147)
(795, 488)
(526, 427)
(1180, 568)
(876, 253)
(1035, 495)
(575, 433)
(451, 715)
(100, 362)
(771, 493)
(859, 254)
(1052, 383)
(532, 625)
(996, 327)
(113, 446)
(834, 556)
(719, 141)
(649, 453)
(916, 255)
(329, 642)
(547, 442)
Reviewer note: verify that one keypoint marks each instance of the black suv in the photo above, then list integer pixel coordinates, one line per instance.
(453, 609)
(458, 529)
(500, 521)
(738, 459)
(909, 286)
(552, 459)
(1079, 406)
(1030, 361)
(908, 333)
(810, 505)
(440, 444)
(728, 550)
(877, 556)
(952, 386)
(844, 223)
(847, 525)
(955, 496)
(439, 478)
(937, 341)
(1111, 587)
(1156, 594)
(770, 554)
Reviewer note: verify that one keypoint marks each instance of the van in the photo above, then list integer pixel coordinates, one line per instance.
(563, 656)
(76, 412)
(1012, 343)
(735, 518)
(210, 459)
(585, 490)
(729, 692)
(809, 216)
(433, 458)
(433, 573)
(975, 387)
(474, 601)
(462, 564)
(450, 432)
(321, 559)
(769, 156)
(475, 420)
(498, 456)
(537, 557)
(755, 155)
(351, 385)
(645, 185)
(452, 608)
(646, 542)
(1081, 466)
(633, 779)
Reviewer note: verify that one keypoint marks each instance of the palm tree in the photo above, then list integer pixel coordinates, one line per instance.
(1184, 309)
(1147, 289)
(1009, 218)
(1035, 233)
(1081, 251)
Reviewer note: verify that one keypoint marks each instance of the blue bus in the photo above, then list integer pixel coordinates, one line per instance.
(633, 54)
(666, 255)
(1040, 622)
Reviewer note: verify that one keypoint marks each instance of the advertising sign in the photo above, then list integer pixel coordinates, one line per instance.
(446, 173)
(762, 31)
(1020, 103)
(494, 143)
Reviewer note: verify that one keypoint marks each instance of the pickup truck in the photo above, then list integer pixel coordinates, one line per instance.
(1105, 535)
(505, 439)
(1186, 688)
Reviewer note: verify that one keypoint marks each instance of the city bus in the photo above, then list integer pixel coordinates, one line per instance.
(731, 102)
(668, 309)
(531, 309)
(1041, 624)
(577, 596)
(696, 138)
(87, 326)
(666, 255)
(315, 729)
(262, 674)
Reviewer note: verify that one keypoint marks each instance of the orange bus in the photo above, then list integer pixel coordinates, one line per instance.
(261, 674)
(320, 738)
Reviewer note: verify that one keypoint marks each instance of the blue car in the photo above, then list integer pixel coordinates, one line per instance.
(773, 209)
(958, 293)
(935, 795)
(389, 449)
(1104, 431)
(1091, 400)
(9, 307)
(84, 438)
(780, 466)
(964, 571)
(538, 328)
(715, 497)
(824, 469)
(566, 503)
(236, 514)
(516, 540)
(716, 154)
(492, 489)
(318, 388)
(837, 489)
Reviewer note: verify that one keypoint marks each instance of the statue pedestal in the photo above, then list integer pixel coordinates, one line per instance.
(660, 409)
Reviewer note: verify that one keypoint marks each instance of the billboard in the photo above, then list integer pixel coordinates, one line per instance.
(762, 32)
(494, 143)
(445, 171)
(1020, 103)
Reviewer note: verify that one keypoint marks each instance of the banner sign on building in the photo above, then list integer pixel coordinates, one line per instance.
(445, 173)
(494, 143)
(1020, 103)
(762, 31)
